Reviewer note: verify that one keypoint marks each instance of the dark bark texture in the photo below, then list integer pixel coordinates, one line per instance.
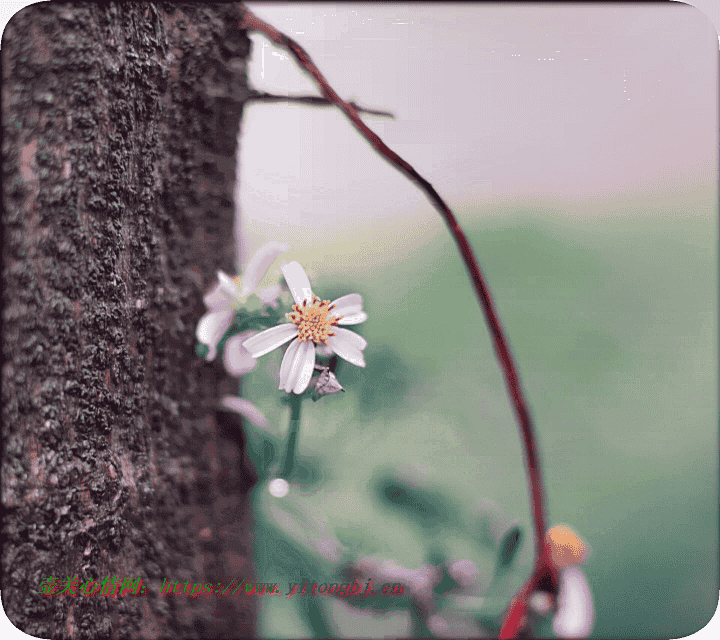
(120, 127)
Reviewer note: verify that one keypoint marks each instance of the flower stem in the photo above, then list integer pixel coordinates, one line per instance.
(295, 402)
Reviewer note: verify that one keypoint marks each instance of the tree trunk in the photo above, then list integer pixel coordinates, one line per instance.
(120, 131)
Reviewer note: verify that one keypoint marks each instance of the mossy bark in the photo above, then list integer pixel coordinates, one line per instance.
(120, 132)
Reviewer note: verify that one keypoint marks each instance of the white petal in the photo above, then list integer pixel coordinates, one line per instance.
(272, 338)
(217, 298)
(286, 364)
(228, 284)
(347, 349)
(350, 307)
(236, 357)
(576, 614)
(211, 327)
(302, 367)
(356, 318)
(259, 263)
(245, 408)
(350, 337)
(323, 350)
(297, 281)
(351, 303)
(297, 366)
(269, 295)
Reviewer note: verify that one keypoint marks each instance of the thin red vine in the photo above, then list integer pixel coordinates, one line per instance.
(543, 571)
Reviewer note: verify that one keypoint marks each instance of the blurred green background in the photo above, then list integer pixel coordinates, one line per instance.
(612, 320)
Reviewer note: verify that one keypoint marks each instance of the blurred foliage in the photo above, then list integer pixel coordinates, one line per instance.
(429, 509)
(615, 332)
(383, 386)
(297, 540)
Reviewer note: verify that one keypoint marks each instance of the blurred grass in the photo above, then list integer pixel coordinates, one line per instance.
(613, 323)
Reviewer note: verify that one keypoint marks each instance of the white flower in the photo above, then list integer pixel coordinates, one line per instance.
(236, 358)
(231, 294)
(576, 615)
(279, 487)
(313, 321)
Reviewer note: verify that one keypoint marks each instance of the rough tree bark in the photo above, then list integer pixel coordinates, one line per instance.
(120, 128)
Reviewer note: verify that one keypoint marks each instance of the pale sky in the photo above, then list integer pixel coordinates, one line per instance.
(564, 104)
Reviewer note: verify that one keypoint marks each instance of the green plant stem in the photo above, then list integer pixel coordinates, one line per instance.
(295, 402)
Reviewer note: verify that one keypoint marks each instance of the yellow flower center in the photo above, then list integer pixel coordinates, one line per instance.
(314, 320)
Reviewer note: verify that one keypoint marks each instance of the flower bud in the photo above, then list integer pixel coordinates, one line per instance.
(324, 384)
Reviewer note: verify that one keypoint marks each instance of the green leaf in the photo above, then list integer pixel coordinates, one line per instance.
(356, 541)
(309, 472)
(491, 528)
(510, 544)
(303, 540)
(426, 507)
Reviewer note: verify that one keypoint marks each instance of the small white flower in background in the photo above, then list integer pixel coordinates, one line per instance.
(419, 582)
(246, 409)
(464, 572)
(575, 613)
(279, 487)
(312, 321)
(231, 294)
(236, 358)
